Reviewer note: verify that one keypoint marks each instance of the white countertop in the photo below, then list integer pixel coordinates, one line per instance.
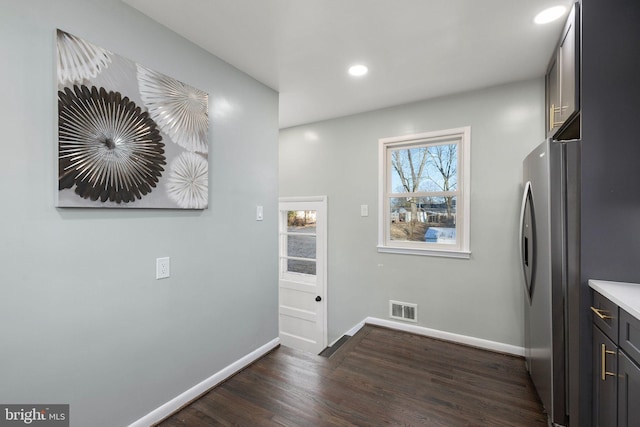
(625, 295)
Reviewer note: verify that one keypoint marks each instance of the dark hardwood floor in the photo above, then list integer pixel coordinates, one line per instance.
(378, 377)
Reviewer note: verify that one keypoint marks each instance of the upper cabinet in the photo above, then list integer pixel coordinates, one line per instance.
(562, 83)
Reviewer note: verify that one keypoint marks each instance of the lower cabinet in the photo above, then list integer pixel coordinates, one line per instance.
(604, 380)
(628, 392)
(616, 365)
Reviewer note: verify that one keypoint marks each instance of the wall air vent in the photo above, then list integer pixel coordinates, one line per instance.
(403, 311)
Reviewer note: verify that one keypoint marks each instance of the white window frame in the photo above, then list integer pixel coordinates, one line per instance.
(463, 212)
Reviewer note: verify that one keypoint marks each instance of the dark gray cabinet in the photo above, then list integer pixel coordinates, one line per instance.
(628, 391)
(628, 370)
(562, 83)
(616, 365)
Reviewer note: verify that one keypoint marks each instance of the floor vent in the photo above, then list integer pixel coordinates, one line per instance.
(403, 311)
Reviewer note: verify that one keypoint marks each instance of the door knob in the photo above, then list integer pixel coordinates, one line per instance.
(318, 298)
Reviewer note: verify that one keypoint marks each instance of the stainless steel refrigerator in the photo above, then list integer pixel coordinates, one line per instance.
(549, 181)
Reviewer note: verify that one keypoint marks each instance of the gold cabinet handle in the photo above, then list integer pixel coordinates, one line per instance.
(552, 116)
(600, 313)
(603, 355)
(553, 110)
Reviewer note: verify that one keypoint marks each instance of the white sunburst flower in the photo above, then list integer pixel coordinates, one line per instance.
(188, 183)
(79, 60)
(180, 110)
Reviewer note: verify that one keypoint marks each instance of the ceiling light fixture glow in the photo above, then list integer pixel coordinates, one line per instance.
(549, 15)
(358, 70)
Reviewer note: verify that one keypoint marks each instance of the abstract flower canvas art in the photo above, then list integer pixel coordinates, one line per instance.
(128, 136)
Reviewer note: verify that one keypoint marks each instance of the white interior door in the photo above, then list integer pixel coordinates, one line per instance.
(303, 272)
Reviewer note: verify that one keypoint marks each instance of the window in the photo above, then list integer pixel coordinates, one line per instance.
(299, 249)
(424, 193)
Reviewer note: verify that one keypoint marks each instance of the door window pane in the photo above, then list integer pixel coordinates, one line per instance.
(301, 221)
(300, 266)
(301, 246)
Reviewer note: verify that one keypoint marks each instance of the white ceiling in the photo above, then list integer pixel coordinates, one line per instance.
(415, 49)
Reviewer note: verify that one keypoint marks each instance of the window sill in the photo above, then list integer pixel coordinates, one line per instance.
(426, 252)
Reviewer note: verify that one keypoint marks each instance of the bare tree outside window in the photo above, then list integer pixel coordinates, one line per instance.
(423, 178)
(445, 160)
(410, 164)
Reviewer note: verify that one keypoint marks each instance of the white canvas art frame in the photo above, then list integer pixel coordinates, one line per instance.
(128, 136)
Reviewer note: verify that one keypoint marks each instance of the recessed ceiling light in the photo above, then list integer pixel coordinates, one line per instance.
(358, 70)
(549, 15)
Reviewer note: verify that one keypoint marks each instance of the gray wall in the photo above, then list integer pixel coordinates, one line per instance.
(82, 319)
(481, 297)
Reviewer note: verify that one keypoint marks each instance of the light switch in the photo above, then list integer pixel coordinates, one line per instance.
(259, 213)
(364, 210)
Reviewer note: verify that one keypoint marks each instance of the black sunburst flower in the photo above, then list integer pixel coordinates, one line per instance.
(108, 147)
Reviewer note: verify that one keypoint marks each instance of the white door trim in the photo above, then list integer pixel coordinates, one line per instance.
(302, 199)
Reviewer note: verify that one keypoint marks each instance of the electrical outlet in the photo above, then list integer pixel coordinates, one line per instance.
(163, 268)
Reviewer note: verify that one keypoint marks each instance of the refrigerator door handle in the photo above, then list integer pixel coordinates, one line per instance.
(526, 256)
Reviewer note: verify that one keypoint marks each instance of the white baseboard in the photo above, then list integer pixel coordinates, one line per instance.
(178, 402)
(448, 336)
(351, 332)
